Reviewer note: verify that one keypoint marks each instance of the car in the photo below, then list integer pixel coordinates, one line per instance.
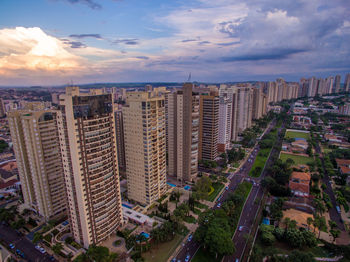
(53, 259)
(240, 228)
(42, 250)
(189, 238)
(187, 258)
(218, 205)
(12, 246)
(226, 188)
(37, 247)
(174, 259)
(237, 260)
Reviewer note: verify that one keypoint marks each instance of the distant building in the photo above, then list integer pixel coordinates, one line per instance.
(337, 84)
(347, 83)
(2, 108)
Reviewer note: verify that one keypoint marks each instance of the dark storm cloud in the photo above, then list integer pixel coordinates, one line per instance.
(89, 3)
(274, 55)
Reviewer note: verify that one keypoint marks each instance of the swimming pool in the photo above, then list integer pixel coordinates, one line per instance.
(125, 205)
(170, 184)
(146, 235)
(187, 187)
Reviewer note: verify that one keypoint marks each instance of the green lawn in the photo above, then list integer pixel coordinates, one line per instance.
(260, 161)
(296, 134)
(163, 251)
(200, 205)
(301, 160)
(217, 188)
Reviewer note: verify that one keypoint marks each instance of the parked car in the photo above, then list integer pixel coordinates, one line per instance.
(218, 205)
(240, 228)
(187, 258)
(189, 238)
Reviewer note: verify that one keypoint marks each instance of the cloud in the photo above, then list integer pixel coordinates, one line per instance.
(90, 3)
(188, 40)
(264, 55)
(31, 49)
(131, 41)
(142, 57)
(98, 36)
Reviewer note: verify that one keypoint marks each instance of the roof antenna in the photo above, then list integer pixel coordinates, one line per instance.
(189, 78)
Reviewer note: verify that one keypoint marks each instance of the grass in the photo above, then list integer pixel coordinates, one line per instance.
(299, 160)
(217, 188)
(260, 161)
(163, 251)
(296, 134)
(203, 255)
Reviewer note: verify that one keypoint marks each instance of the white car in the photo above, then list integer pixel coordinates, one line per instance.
(240, 228)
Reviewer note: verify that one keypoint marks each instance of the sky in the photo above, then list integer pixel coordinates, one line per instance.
(56, 42)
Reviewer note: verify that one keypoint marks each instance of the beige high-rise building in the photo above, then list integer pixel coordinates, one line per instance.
(209, 125)
(231, 93)
(244, 108)
(183, 132)
(257, 107)
(145, 146)
(337, 84)
(36, 144)
(2, 108)
(88, 145)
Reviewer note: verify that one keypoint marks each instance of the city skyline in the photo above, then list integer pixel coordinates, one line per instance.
(132, 41)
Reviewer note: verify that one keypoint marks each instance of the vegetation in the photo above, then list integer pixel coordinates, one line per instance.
(217, 188)
(296, 134)
(299, 160)
(97, 254)
(3, 146)
(216, 227)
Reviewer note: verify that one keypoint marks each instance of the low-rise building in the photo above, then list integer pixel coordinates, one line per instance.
(299, 183)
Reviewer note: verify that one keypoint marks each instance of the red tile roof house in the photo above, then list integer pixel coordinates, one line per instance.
(299, 183)
(344, 167)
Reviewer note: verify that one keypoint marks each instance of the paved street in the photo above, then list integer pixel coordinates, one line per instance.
(249, 210)
(8, 236)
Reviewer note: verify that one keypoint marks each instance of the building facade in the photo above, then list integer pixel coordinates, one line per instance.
(183, 132)
(145, 146)
(209, 126)
(88, 146)
(36, 144)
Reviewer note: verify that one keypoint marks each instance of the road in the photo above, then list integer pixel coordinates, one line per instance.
(8, 236)
(189, 248)
(333, 214)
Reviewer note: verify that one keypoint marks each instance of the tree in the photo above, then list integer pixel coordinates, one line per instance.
(319, 206)
(57, 248)
(335, 233)
(97, 254)
(202, 187)
(267, 236)
(37, 237)
(309, 221)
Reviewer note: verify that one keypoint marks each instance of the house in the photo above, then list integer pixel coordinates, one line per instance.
(332, 138)
(343, 165)
(299, 183)
(300, 143)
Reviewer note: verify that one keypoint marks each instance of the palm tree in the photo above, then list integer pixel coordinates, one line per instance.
(287, 223)
(293, 224)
